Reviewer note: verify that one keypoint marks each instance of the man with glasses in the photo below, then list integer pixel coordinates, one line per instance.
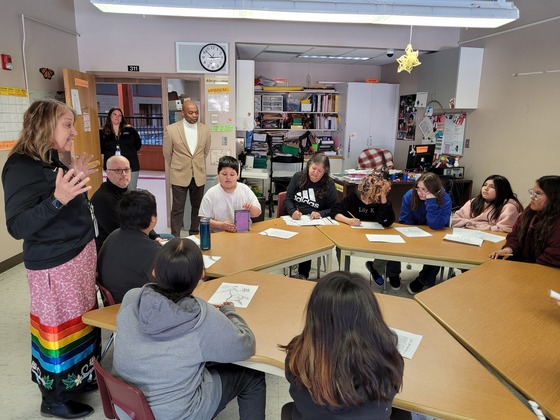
(106, 197)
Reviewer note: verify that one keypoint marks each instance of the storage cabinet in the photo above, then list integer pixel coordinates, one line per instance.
(368, 118)
(452, 74)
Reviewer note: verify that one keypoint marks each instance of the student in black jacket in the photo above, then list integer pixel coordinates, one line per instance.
(367, 203)
(311, 192)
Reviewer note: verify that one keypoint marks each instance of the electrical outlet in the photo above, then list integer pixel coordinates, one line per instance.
(467, 143)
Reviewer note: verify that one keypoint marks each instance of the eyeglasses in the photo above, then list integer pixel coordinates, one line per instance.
(535, 196)
(120, 171)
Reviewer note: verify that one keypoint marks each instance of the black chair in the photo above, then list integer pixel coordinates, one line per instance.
(280, 183)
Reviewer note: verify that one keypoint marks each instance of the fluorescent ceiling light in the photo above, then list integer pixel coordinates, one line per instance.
(449, 13)
(333, 57)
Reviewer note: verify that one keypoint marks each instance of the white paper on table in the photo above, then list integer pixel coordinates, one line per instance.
(278, 233)
(408, 342)
(238, 294)
(555, 295)
(394, 239)
(308, 221)
(194, 239)
(369, 225)
(479, 234)
(209, 260)
(469, 240)
(413, 232)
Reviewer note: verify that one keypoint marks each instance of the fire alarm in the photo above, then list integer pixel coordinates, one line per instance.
(7, 62)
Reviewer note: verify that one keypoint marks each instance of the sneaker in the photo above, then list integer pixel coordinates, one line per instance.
(414, 287)
(377, 278)
(395, 283)
(299, 276)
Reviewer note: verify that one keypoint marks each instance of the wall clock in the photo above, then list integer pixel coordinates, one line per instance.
(212, 57)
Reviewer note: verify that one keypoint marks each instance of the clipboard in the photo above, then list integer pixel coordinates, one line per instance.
(242, 220)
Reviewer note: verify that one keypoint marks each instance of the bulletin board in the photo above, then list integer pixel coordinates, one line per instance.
(13, 103)
(447, 131)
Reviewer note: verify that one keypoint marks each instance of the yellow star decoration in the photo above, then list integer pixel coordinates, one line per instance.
(408, 60)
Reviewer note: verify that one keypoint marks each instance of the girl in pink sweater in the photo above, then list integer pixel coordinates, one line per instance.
(496, 207)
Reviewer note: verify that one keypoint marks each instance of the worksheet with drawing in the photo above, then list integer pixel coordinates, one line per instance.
(238, 294)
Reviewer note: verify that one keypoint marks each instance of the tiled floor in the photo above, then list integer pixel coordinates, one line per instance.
(20, 397)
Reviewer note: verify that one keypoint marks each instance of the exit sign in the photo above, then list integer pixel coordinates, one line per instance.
(133, 68)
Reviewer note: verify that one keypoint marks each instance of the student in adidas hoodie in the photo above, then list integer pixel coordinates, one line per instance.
(177, 348)
(311, 192)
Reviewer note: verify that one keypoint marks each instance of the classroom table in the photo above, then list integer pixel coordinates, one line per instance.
(243, 251)
(442, 379)
(502, 312)
(433, 250)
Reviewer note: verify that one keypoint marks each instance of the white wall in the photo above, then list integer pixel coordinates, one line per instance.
(512, 132)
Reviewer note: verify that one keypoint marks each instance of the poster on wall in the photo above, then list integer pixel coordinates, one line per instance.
(454, 134)
(407, 118)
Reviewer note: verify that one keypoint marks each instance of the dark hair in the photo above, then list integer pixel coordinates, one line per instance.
(346, 354)
(36, 139)
(504, 193)
(325, 181)
(228, 162)
(135, 209)
(538, 231)
(108, 126)
(433, 184)
(178, 266)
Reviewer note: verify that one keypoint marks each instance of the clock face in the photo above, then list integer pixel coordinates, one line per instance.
(212, 57)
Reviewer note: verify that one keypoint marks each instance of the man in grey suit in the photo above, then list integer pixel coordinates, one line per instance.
(186, 145)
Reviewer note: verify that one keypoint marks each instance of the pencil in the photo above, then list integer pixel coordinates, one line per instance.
(353, 217)
(506, 256)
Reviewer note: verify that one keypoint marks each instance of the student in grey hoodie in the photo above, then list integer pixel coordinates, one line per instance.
(166, 339)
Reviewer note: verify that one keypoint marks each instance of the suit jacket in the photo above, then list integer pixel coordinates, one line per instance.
(184, 165)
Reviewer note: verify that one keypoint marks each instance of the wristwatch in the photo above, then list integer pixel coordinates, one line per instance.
(57, 204)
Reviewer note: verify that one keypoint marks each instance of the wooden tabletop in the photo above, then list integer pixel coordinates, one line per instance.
(243, 251)
(502, 312)
(443, 379)
(423, 250)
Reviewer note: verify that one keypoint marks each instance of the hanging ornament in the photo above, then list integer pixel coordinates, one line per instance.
(409, 59)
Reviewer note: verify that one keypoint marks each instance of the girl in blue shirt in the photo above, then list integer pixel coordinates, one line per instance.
(426, 204)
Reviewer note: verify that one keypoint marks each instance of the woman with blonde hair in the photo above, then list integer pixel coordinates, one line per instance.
(47, 206)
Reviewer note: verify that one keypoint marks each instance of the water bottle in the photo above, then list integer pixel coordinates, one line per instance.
(205, 234)
(118, 151)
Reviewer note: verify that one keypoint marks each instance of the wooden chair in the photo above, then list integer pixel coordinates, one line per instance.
(108, 300)
(117, 395)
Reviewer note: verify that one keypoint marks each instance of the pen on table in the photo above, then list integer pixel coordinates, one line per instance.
(505, 256)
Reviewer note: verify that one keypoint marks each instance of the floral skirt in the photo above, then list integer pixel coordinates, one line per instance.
(63, 348)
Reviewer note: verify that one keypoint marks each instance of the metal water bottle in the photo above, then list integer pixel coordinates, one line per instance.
(205, 234)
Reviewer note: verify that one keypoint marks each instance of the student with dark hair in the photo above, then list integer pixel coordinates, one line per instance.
(495, 208)
(165, 319)
(311, 192)
(368, 203)
(427, 203)
(535, 237)
(220, 202)
(126, 257)
(345, 364)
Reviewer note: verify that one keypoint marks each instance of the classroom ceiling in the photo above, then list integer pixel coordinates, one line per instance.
(290, 54)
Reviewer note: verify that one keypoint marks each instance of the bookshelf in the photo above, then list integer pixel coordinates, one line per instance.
(286, 114)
